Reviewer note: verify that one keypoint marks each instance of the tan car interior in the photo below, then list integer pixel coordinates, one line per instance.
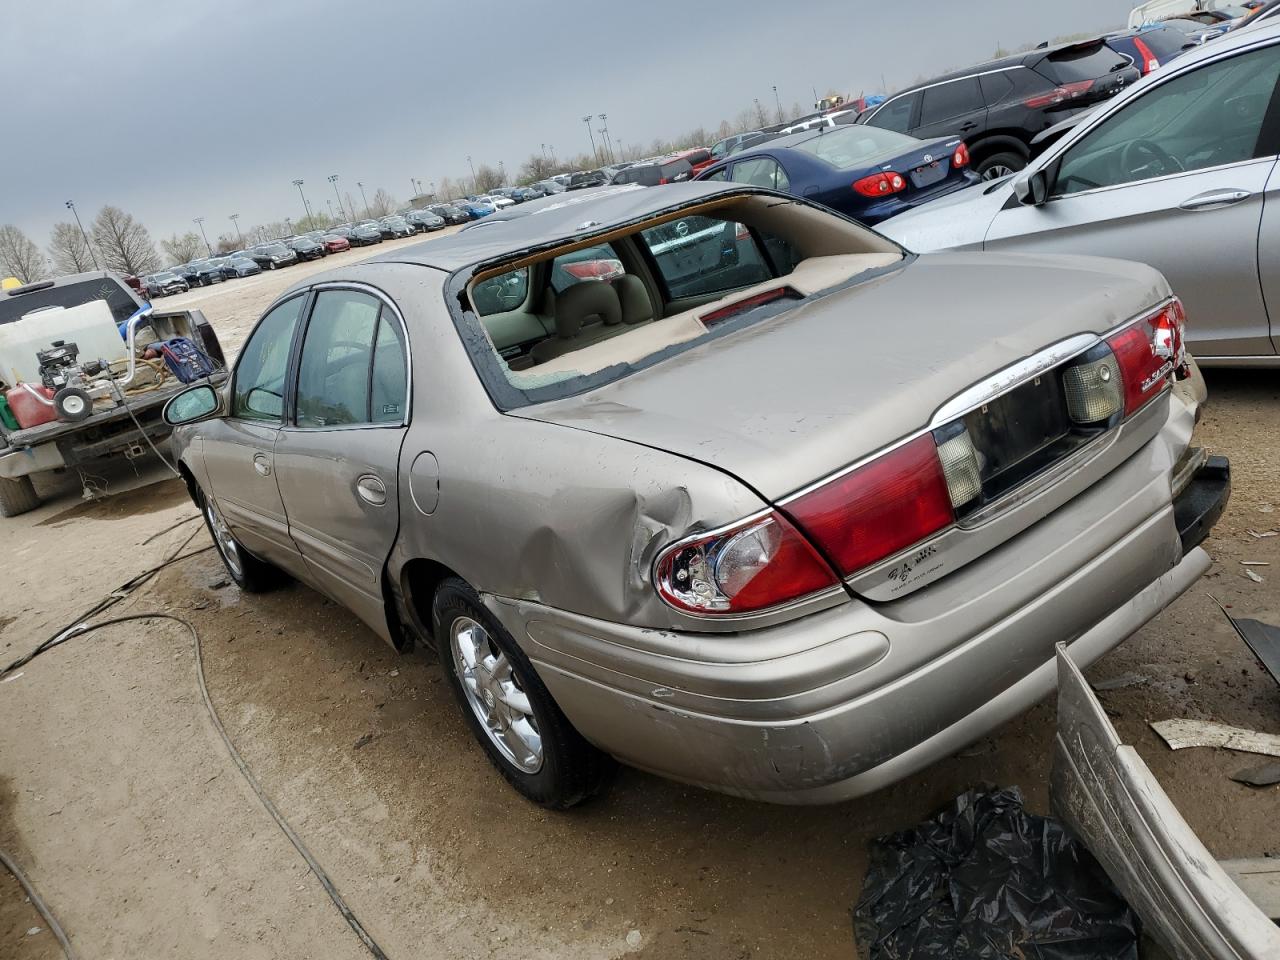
(592, 325)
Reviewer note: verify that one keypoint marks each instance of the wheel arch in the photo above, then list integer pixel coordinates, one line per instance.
(415, 592)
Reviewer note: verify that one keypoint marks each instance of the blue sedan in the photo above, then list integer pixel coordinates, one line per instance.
(864, 172)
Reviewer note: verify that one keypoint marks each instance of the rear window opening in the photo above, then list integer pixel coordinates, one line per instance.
(601, 308)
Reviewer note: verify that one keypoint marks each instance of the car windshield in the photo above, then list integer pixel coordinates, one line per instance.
(166, 276)
(241, 262)
(274, 249)
(854, 146)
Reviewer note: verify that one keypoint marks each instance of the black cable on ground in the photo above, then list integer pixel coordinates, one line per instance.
(81, 627)
(49, 919)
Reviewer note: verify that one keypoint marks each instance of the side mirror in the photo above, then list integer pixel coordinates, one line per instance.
(1032, 189)
(191, 405)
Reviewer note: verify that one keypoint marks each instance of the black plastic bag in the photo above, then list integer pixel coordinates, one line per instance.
(985, 880)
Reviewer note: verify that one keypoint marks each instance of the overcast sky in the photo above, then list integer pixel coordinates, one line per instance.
(179, 110)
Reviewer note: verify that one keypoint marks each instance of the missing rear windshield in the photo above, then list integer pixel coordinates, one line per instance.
(607, 307)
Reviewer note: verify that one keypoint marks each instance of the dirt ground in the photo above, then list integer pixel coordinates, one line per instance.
(122, 805)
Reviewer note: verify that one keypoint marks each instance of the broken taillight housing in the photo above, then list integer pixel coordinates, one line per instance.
(1148, 351)
(759, 563)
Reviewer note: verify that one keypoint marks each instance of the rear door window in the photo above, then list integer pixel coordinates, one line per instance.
(896, 114)
(699, 255)
(761, 172)
(948, 101)
(337, 353)
(995, 87)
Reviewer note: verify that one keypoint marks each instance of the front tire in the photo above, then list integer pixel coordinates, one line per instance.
(508, 708)
(250, 574)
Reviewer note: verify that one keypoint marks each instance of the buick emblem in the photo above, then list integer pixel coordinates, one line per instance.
(682, 228)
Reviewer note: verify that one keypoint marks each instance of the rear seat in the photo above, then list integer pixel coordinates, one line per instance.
(592, 311)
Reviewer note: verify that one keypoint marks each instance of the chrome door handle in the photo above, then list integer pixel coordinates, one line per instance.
(262, 464)
(371, 490)
(1214, 199)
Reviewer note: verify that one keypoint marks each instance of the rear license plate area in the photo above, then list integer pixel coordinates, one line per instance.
(929, 174)
(1021, 433)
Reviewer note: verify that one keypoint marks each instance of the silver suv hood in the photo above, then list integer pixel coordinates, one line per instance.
(800, 395)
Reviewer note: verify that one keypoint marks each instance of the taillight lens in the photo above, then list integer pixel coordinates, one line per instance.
(1149, 60)
(1065, 92)
(961, 157)
(760, 563)
(880, 184)
(879, 508)
(1148, 351)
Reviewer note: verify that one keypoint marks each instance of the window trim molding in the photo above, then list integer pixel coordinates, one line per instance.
(291, 395)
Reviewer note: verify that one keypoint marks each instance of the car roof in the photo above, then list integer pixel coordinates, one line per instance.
(542, 223)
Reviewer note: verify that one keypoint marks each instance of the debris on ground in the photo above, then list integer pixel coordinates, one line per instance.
(1263, 535)
(1263, 775)
(1252, 576)
(1181, 734)
(1262, 638)
(1117, 683)
(986, 879)
(364, 741)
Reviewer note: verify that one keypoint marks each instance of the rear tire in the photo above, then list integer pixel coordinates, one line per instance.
(250, 574)
(1000, 165)
(507, 706)
(17, 496)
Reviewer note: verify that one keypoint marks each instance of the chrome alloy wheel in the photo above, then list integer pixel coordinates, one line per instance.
(494, 695)
(996, 172)
(222, 537)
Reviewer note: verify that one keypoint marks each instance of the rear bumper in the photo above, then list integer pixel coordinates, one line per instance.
(845, 701)
(1107, 795)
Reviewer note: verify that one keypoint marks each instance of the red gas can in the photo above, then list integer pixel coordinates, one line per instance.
(31, 405)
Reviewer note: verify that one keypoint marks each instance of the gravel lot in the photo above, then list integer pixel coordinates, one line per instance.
(120, 801)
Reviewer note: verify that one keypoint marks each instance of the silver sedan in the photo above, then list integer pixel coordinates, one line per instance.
(716, 482)
(1178, 172)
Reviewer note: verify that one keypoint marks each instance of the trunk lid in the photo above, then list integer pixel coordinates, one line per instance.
(798, 396)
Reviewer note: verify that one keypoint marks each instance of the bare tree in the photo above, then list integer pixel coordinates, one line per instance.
(124, 243)
(70, 252)
(537, 167)
(382, 204)
(181, 249)
(487, 178)
(19, 257)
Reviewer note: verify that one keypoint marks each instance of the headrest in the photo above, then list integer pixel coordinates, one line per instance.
(589, 298)
(636, 306)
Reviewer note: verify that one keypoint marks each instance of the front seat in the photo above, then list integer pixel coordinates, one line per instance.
(636, 305)
(589, 300)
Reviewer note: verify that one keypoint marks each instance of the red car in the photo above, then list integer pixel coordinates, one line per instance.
(336, 244)
(699, 158)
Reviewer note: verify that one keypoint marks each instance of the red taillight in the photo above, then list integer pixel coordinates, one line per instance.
(1148, 351)
(881, 184)
(961, 157)
(1149, 60)
(879, 508)
(759, 563)
(1058, 94)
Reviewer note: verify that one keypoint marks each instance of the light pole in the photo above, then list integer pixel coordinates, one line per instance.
(364, 198)
(330, 203)
(306, 208)
(433, 189)
(604, 122)
(777, 100)
(199, 222)
(502, 172)
(235, 218)
(89, 246)
(333, 178)
(595, 153)
(475, 184)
